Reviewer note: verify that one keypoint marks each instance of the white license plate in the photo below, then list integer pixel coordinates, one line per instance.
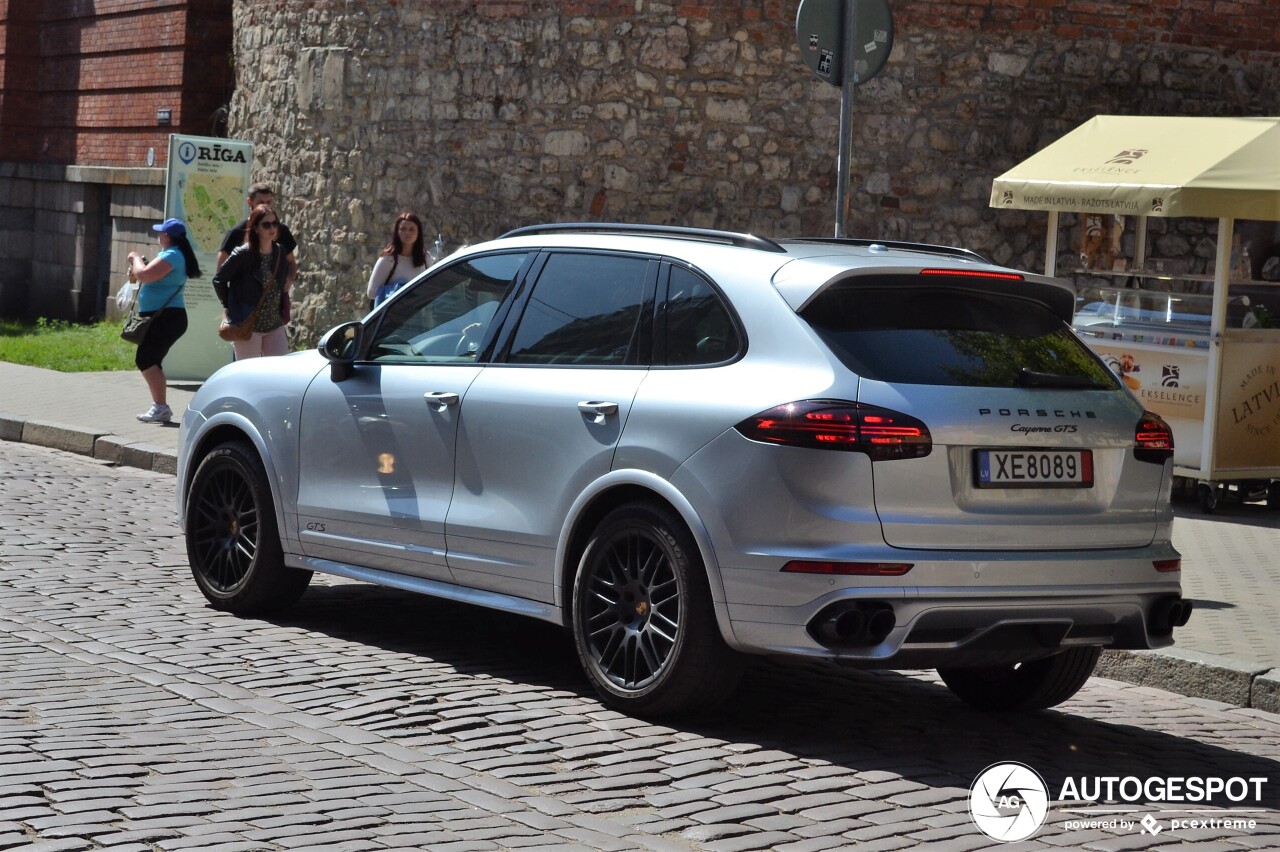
(1033, 468)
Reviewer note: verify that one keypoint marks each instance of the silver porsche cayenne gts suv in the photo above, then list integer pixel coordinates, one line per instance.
(687, 446)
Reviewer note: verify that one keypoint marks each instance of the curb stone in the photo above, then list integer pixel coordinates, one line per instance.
(1198, 675)
(59, 436)
(1266, 692)
(1231, 680)
(148, 457)
(11, 428)
(109, 448)
(86, 442)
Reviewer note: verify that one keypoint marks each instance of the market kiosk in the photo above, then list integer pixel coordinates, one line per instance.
(1201, 350)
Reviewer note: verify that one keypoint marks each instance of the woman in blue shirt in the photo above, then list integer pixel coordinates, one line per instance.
(160, 295)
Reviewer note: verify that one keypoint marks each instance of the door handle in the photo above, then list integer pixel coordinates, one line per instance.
(598, 411)
(441, 399)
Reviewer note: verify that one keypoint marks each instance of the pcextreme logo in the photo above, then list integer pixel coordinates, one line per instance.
(1010, 801)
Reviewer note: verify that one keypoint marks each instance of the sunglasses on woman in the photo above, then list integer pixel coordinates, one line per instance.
(272, 224)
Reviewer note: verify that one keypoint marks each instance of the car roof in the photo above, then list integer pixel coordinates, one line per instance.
(799, 268)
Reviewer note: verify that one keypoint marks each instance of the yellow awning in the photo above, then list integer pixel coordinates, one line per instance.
(1136, 165)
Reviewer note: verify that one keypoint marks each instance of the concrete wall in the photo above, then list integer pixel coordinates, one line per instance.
(485, 116)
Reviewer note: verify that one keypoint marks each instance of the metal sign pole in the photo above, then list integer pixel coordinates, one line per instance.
(846, 116)
(827, 35)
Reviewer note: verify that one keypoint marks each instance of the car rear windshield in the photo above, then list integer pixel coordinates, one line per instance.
(952, 335)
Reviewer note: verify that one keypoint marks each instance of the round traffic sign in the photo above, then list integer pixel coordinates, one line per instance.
(820, 37)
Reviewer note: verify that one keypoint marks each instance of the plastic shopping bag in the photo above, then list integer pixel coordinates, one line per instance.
(128, 293)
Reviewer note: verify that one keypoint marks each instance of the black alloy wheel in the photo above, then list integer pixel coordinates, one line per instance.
(632, 609)
(233, 544)
(643, 622)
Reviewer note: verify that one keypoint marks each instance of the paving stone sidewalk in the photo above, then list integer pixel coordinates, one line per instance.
(1230, 650)
(136, 718)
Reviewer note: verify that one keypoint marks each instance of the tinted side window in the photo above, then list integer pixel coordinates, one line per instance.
(584, 309)
(444, 318)
(952, 336)
(699, 329)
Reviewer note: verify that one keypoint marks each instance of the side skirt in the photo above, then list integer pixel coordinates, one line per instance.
(433, 588)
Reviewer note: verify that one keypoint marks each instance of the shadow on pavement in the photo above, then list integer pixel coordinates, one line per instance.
(906, 724)
(1203, 604)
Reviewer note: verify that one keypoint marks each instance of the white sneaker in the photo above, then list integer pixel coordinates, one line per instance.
(157, 414)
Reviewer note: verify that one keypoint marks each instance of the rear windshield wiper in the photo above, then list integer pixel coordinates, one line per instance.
(1033, 379)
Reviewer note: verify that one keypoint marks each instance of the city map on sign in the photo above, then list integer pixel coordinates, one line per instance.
(211, 204)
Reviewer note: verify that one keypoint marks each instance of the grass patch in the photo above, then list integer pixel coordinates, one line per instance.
(66, 347)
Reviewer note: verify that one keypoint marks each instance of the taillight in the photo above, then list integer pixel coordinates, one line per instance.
(837, 425)
(1152, 439)
(1165, 565)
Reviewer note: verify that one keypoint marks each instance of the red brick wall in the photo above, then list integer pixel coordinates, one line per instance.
(82, 82)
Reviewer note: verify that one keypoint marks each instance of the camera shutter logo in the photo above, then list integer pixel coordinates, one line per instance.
(1008, 802)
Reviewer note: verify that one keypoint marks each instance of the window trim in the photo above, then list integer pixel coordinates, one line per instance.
(660, 356)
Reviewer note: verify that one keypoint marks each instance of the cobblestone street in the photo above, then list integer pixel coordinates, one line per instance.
(134, 717)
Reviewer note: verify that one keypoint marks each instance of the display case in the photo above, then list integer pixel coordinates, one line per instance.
(1143, 316)
(1142, 308)
(1157, 334)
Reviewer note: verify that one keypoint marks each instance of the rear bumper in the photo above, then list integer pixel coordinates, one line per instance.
(971, 626)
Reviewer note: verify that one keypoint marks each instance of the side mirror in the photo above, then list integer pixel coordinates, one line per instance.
(339, 346)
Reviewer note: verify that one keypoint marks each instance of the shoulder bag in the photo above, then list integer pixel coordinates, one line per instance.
(388, 288)
(136, 325)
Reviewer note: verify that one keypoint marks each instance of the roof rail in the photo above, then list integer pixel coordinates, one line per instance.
(895, 244)
(677, 231)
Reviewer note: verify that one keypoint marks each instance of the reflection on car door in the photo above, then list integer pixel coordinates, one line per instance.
(377, 469)
(378, 447)
(543, 421)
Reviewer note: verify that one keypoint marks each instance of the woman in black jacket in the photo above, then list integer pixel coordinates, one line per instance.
(251, 286)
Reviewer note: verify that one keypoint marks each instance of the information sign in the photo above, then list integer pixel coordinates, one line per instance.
(206, 187)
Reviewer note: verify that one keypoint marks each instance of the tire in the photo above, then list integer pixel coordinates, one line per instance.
(1026, 686)
(233, 542)
(643, 621)
(1207, 496)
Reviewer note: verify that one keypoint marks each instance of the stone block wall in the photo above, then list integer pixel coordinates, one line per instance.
(483, 116)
